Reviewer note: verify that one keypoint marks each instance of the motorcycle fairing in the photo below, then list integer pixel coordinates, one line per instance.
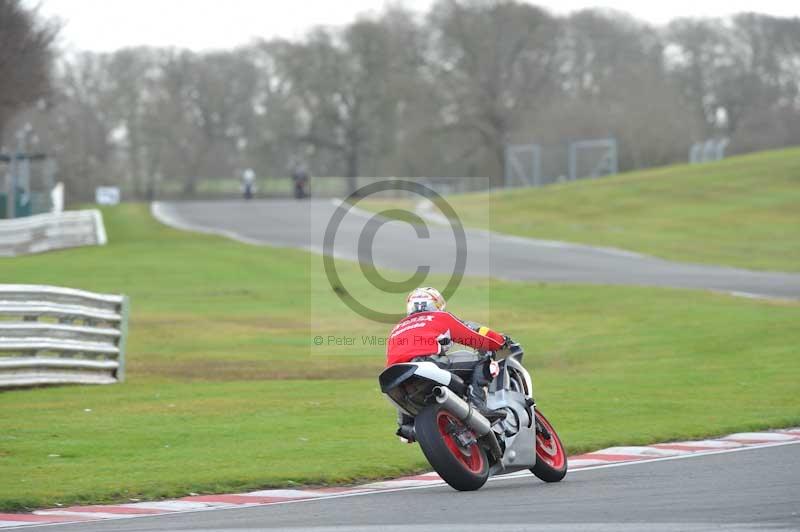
(502, 380)
(396, 374)
(521, 436)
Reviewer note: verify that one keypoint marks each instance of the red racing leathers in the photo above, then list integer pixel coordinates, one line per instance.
(424, 333)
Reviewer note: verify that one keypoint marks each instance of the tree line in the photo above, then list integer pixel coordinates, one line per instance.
(402, 94)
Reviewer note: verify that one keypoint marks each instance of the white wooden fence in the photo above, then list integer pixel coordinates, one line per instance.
(45, 232)
(53, 335)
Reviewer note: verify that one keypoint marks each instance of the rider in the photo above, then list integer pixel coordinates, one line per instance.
(426, 334)
(248, 183)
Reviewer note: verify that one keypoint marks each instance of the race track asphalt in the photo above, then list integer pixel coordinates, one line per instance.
(753, 489)
(302, 224)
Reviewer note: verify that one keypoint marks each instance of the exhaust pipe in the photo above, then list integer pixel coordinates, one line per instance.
(471, 417)
(462, 410)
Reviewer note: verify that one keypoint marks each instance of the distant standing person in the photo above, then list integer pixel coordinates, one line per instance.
(300, 180)
(248, 183)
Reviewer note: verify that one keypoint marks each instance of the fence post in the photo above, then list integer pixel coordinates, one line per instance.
(536, 154)
(720, 151)
(513, 168)
(695, 153)
(124, 311)
(573, 163)
(614, 166)
(507, 169)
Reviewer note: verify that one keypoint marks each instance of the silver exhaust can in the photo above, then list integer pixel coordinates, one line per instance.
(462, 410)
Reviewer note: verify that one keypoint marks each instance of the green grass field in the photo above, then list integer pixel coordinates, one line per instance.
(743, 211)
(227, 392)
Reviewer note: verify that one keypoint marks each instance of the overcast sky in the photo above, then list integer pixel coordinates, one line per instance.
(106, 25)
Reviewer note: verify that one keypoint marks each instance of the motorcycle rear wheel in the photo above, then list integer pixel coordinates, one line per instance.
(551, 460)
(465, 468)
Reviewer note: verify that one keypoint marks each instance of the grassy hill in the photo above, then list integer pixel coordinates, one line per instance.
(227, 392)
(743, 211)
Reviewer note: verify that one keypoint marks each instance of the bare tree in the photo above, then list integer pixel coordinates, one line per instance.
(25, 58)
(397, 94)
(327, 83)
(276, 113)
(84, 124)
(738, 73)
(614, 81)
(496, 61)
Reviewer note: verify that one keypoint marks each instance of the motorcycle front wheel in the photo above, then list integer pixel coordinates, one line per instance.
(441, 436)
(551, 460)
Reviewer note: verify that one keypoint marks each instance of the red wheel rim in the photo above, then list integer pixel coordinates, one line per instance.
(469, 457)
(549, 450)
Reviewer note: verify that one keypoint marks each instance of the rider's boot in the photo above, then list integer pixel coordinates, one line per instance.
(405, 428)
(477, 396)
(477, 393)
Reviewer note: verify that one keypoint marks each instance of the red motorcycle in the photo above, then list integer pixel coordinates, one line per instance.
(463, 446)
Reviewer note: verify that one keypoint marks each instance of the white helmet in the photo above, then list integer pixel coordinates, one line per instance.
(425, 299)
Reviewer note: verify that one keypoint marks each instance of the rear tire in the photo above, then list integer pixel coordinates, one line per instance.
(551, 460)
(465, 469)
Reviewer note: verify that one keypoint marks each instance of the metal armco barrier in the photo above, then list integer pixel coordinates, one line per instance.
(45, 232)
(52, 335)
